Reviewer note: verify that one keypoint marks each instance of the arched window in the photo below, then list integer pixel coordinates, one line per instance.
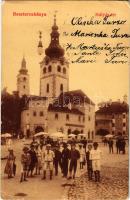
(82, 131)
(47, 88)
(61, 87)
(69, 131)
(79, 118)
(56, 115)
(92, 134)
(64, 70)
(58, 68)
(49, 68)
(24, 78)
(41, 113)
(89, 135)
(34, 113)
(89, 118)
(67, 117)
(44, 70)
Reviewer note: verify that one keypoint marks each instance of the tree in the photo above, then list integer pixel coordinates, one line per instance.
(11, 108)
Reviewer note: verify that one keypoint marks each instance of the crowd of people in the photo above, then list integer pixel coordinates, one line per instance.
(40, 159)
(120, 145)
(51, 156)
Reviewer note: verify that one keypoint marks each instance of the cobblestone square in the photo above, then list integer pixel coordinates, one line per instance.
(114, 181)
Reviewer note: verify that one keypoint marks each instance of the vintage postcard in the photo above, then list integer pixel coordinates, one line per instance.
(64, 100)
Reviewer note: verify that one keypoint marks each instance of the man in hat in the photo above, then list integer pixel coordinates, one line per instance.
(48, 161)
(95, 156)
(110, 144)
(89, 162)
(74, 156)
(57, 159)
(65, 155)
(33, 161)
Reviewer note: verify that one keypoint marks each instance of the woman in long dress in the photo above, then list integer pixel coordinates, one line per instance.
(39, 160)
(10, 164)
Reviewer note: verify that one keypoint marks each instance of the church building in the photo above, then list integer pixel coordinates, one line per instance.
(56, 108)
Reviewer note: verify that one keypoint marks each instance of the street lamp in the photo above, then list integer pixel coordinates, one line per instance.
(46, 124)
(40, 46)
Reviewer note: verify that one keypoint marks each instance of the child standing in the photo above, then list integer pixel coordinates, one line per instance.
(82, 155)
(25, 160)
(89, 162)
(95, 156)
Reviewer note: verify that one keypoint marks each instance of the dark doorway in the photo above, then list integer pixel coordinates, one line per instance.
(39, 129)
(102, 132)
(69, 131)
(76, 132)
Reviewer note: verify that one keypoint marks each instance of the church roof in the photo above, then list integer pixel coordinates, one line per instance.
(23, 69)
(35, 97)
(53, 108)
(114, 108)
(74, 97)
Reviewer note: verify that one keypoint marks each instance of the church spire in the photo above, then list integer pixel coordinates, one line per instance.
(54, 50)
(23, 63)
(23, 69)
(23, 79)
(55, 19)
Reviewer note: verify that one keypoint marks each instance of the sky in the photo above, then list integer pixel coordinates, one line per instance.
(99, 81)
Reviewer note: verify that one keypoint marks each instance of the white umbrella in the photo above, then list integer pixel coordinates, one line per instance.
(40, 134)
(58, 135)
(82, 134)
(6, 135)
(71, 135)
(109, 136)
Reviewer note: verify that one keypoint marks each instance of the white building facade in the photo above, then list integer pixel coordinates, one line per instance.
(57, 108)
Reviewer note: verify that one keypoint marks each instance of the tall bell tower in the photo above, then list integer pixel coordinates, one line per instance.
(54, 69)
(23, 79)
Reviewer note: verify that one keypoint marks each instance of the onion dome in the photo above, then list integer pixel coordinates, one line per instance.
(54, 50)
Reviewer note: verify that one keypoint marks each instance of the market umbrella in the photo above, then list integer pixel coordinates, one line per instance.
(58, 135)
(6, 135)
(40, 134)
(109, 136)
(71, 135)
(82, 134)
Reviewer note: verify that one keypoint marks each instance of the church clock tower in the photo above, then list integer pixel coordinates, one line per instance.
(23, 80)
(54, 77)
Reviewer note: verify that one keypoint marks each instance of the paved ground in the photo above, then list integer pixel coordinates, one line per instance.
(114, 183)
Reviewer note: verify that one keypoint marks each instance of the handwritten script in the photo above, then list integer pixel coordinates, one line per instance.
(111, 47)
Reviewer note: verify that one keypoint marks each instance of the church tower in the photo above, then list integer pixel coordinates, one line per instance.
(54, 69)
(23, 79)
